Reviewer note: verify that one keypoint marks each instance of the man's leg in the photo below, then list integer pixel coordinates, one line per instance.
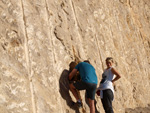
(74, 91)
(91, 96)
(92, 106)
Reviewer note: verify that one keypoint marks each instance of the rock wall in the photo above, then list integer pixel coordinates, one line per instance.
(39, 38)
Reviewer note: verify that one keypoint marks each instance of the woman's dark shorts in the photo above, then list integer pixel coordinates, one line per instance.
(89, 87)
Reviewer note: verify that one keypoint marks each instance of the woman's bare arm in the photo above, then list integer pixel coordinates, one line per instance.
(118, 76)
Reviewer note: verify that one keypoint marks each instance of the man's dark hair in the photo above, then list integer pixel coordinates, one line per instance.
(72, 65)
(87, 61)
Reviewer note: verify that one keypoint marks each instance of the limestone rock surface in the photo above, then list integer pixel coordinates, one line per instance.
(39, 38)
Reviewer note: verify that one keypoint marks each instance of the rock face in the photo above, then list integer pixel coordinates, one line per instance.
(39, 38)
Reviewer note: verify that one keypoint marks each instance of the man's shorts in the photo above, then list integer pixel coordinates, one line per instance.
(89, 87)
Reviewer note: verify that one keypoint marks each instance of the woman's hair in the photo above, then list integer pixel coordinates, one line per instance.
(110, 59)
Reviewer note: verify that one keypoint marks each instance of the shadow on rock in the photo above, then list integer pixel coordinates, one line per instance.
(138, 110)
(64, 90)
(96, 111)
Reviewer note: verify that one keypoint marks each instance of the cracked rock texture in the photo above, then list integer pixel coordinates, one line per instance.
(39, 38)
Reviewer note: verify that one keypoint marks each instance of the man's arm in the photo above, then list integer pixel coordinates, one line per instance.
(73, 72)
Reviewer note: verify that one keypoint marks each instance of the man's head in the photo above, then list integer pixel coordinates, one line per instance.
(72, 65)
(87, 61)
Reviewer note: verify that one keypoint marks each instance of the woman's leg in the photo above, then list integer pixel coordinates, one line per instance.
(107, 101)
